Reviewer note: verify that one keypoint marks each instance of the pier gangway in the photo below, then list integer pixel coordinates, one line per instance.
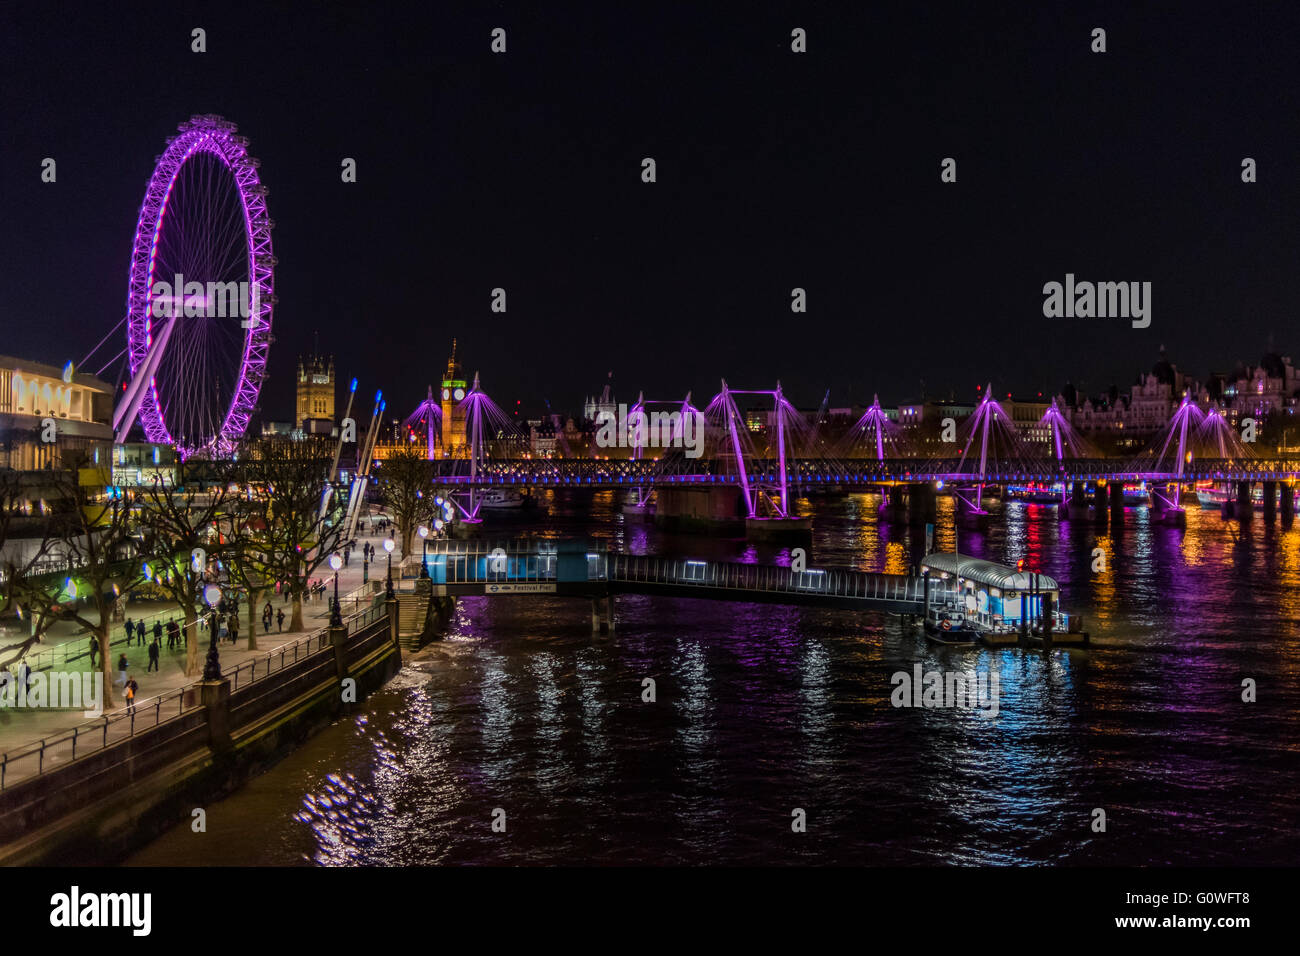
(587, 569)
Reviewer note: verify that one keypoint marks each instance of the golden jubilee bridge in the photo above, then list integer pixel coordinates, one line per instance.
(766, 453)
(845, 472)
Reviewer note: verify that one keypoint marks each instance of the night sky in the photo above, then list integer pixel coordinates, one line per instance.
(775, 170)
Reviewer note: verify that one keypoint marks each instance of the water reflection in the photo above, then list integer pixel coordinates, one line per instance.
(761, 709)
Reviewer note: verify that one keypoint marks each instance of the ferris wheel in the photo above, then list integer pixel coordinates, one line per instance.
(199, 299)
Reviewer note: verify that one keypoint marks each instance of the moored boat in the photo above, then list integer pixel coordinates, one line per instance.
(502, 499)
(1001, 605)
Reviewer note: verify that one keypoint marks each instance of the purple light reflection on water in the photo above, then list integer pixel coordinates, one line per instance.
(762, 709)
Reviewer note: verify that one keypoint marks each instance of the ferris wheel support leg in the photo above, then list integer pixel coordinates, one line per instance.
(129, 407)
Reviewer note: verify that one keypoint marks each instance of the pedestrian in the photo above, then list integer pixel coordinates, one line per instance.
(347, 552)
(139, 631)
(171, 633)
(234, 629)
(157, 632)
(131, 687)
(279, 621)
(153, 656)
(94, 650)
(25, 676)
(130, 631)
(121, 670)
(221, 630)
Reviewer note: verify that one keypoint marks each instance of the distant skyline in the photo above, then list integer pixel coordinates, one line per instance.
(775, 170)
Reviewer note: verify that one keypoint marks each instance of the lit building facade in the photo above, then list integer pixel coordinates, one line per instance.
(34, 395)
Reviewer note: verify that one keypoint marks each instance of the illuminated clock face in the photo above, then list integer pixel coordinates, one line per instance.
(446, 393)
(459, 393)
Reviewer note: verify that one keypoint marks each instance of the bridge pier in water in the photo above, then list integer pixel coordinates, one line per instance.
(720, 509)
(1288, 506)
(895, 506)
(1076, 504)
(602, 615)
(710, 510)
(1270, 501)
(922, 504)
(1116, 499)
(1099, 501)
(1244, 507)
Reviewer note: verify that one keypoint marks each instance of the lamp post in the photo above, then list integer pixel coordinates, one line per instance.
(336, 615)
(424, 551)
(212, 666)
(388, 584)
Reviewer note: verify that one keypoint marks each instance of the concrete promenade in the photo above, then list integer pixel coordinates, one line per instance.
(68, 648)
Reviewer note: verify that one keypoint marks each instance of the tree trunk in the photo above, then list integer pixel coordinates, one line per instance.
(102, 634)
(191, 642)
(254, 609)
(295, 622)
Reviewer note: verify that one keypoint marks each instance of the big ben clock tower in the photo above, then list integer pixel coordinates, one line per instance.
(453, 417)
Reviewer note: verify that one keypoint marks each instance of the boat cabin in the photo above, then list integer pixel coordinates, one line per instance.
(991, 596)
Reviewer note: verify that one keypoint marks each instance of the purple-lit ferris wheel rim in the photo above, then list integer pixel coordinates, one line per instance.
(219, 138)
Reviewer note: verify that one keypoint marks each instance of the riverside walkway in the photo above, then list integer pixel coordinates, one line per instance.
(34, 740)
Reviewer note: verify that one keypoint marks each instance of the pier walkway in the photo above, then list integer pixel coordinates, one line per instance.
(580, 569)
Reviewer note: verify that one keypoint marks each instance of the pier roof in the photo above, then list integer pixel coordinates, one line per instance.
(987, 572)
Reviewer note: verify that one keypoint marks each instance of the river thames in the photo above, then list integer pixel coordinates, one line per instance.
(761, 710)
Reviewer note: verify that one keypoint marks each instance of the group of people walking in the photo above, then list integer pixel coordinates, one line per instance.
(270, 614)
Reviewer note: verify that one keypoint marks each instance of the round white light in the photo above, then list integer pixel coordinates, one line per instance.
(212, 594)
(437, 523)
(424, 532)
(388, 545)
(336, 562)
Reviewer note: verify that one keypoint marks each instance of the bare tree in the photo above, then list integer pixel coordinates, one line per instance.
(405, 481)
(286, 481)
(98, 534)
(181, 526)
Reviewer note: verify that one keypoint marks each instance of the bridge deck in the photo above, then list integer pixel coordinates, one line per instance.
(840, 471)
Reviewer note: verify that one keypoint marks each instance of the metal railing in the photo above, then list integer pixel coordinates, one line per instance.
(471, 562)
(837, 583)
(84, 739)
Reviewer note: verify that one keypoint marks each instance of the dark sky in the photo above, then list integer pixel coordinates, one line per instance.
(775, 170)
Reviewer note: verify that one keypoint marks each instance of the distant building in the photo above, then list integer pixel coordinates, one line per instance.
(597, 409)
(543, 437)
(280, 430)
(1271, 387)
(1026, 416)
(34, 396)
(315, 408)
(1130, 420)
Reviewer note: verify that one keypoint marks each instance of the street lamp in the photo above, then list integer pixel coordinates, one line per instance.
(424, 547)
(388, 584)
(336, 616)
(212, 666)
